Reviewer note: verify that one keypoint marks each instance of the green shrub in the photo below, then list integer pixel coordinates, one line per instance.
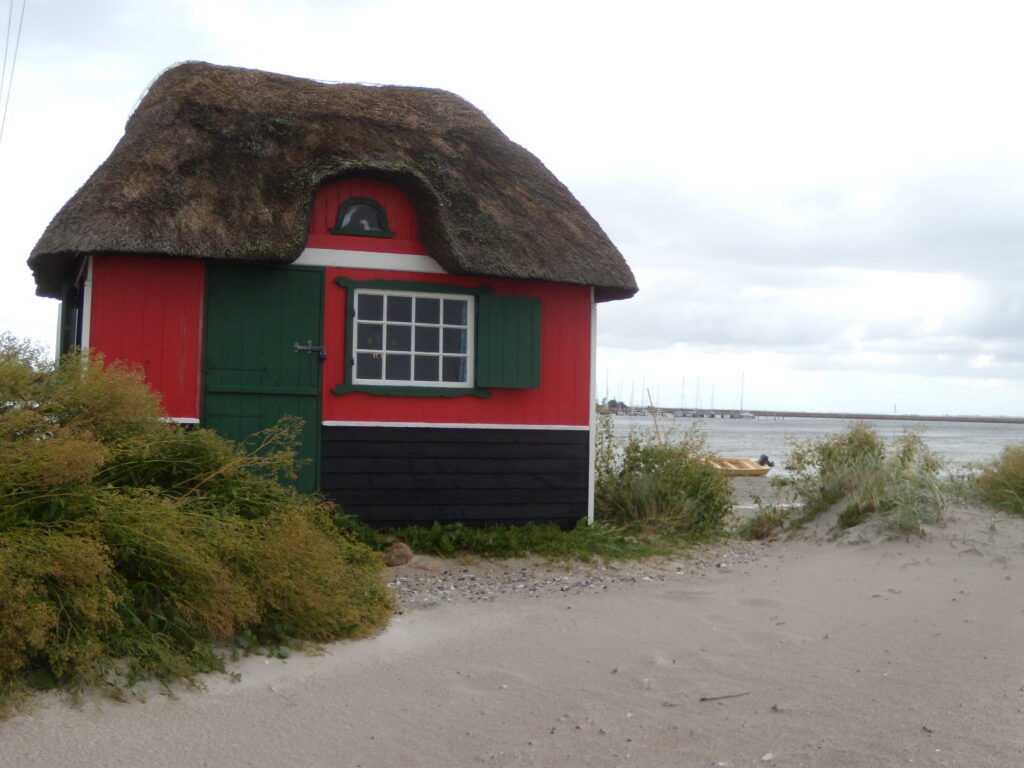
(58, 597)
(59, 427)
(129, 546)
(177, 563)
(1001, 481)
(312, 582)
(647, 484)
(898, 484)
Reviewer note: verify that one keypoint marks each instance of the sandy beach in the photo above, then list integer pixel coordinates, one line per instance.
(809, 652)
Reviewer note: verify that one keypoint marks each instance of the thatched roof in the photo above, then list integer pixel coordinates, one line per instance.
(223, 163)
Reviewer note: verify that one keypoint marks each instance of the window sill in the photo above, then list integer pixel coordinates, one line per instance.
(411, 391)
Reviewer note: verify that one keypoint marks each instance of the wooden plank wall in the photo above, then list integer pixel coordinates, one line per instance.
(563, 398)
(399, 208)
(148, 311)
(390, 476)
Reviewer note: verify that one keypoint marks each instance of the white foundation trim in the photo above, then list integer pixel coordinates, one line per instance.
(414, 424)
(593, 408)
(404, 262)
(179, 420)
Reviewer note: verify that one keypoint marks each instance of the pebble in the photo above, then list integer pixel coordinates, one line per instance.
(488, 581)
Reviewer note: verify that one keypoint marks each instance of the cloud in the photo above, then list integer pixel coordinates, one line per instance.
(791, 205)
(929, 261)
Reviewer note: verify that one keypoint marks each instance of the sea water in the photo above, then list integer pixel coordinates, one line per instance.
(960, 443)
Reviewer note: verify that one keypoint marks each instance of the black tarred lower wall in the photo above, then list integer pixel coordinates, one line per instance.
(394, 476)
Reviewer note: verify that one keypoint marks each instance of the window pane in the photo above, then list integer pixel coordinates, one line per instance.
(362, 217)
(455, 340)
(427, 368)
(368, 365)
(453, 369)
(455, 311)
(398, 367)
(428, 339)
(412, 338)
(369, 336)
(370, 306)
(399, 338)
(428, 310)
(400, 309)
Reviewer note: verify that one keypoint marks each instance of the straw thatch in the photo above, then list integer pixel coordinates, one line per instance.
(223, 163)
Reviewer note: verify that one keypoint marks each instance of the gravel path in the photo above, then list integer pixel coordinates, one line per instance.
(431, 581)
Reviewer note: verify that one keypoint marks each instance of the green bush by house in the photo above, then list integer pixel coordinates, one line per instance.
(645, 482)
(129, 546)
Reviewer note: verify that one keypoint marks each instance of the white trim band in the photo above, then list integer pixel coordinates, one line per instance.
(592, 470)
(403, 262)
(86, 309)
(417, 424)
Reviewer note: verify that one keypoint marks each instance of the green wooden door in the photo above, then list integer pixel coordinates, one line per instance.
(252, 373)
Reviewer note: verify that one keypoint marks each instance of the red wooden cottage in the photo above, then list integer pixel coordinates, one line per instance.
(381, 261)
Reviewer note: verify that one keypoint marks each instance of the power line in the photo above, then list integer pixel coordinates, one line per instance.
(7, 38)
(13, 59)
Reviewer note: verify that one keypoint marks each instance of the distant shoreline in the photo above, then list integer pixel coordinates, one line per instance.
(725, 413)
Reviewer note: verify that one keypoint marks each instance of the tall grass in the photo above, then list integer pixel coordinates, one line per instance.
(129, 546)
(644, 483)
(1001, 481)
(897, 484)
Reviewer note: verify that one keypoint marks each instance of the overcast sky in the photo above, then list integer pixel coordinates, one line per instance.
(821, 200)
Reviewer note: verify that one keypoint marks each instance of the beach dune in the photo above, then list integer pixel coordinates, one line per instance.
(811, 653)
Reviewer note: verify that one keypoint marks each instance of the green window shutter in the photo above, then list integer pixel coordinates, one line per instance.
(508, 342)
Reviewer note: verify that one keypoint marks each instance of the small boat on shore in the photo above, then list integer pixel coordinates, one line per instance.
(742, 467)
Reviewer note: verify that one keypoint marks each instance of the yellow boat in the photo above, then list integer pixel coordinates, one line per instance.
(741, 467)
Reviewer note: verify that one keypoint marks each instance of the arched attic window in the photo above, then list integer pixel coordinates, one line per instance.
(362, 216)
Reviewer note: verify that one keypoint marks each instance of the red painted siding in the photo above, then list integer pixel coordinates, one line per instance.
(564, 394)
(148, 311)
(397, 205)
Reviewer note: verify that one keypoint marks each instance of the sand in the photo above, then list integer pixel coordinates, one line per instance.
(859, 652)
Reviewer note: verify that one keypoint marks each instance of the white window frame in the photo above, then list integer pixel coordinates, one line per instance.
(469, 355)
